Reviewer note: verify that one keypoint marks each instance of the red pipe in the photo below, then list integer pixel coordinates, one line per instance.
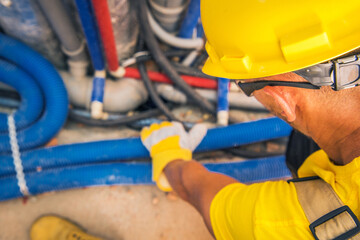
(103, 19)
(159, 77)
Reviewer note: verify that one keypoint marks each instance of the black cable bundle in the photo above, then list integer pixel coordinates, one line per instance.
(200, 59)
(164, 63)
(191, 71)
(114, 122)
(153, 94)
(146, 56)
(150, 86)
(253, 154)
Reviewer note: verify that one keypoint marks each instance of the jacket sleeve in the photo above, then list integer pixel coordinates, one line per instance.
(267, 210)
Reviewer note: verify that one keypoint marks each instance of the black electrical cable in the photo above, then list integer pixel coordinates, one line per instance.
(246, 152)
(164, 63)
(9, 94)
(138, 125)
(114, 122)
(191, 71)
(153, 94)
(253, 154)
(169, 54)
(200, 59)
(177, 52)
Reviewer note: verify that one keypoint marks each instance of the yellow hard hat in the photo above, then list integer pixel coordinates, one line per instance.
(257, 38)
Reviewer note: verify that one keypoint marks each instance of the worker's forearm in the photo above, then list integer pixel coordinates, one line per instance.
(179, 174)
(196, 185)
(190, 178)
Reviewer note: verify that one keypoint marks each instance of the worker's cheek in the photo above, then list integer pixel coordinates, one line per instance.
(269, 103)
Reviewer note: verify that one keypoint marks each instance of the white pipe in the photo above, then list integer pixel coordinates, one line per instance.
(78, 68)
(168, 10)
(118, 73)
(190, 58)
(236, 99)
(170, 39)
(122, 95)
(169, 18)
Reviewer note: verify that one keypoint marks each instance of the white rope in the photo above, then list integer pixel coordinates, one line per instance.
(16, 156)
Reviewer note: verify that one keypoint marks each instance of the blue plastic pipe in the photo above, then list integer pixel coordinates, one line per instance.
(223, 91)
(132, 148)
(92, 37)
(91, 33)
(52, 87)
(223, 101)
(31, 104)
(191, 20)
(98, 89)
(133, 173)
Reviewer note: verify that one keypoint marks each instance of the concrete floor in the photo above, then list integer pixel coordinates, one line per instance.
(112, 212)
(117, 212)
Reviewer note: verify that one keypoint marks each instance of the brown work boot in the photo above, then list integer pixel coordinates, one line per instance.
(56, 228)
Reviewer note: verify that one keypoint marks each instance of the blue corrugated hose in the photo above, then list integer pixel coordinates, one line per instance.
(133, 173)
(31, 104)
(132, 148)
(52, 87)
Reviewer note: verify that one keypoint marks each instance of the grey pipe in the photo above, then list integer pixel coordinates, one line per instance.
(61, 23)
(122, 95)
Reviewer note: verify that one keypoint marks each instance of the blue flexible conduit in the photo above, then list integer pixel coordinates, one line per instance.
(191, 20)
(132, 148)
(31, 104)
(53, 90)
(223, 91)
(94, 45)
(133, 173)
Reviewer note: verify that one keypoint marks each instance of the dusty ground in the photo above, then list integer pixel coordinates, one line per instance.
(116, 212)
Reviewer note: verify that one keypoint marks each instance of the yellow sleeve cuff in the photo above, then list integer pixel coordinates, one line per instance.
(161, 160)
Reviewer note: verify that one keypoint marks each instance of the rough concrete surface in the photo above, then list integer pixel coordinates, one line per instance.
(116, 212)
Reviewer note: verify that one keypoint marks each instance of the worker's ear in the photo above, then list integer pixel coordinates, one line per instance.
(284, 100)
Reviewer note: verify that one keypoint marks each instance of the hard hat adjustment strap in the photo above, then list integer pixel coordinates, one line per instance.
(340, 73)
(344, 68)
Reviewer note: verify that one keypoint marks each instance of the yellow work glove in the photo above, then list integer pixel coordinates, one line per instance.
(167, 142)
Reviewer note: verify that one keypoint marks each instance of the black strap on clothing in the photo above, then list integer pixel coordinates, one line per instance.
(298, 149)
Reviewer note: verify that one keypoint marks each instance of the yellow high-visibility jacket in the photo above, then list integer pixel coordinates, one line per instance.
(271, 210)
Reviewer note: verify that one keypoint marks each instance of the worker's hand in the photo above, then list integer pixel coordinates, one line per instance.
(167, 142)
